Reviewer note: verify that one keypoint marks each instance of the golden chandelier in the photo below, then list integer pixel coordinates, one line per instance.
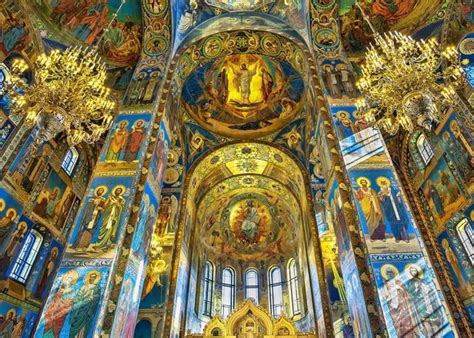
(67, 94)
(406, 82)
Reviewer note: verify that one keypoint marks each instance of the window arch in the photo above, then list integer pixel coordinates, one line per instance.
(466, 235)
(251, 284)
(26, 258)
(208, 288)
(424, 148)
(294, 287)
(275, 288)
(70, 160)
(228, 291)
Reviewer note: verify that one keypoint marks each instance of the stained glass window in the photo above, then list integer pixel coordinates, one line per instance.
(466, 235)
(424, 148)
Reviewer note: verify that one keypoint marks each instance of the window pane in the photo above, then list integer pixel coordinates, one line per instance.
(276, 292)
(27, 256)
(466, 235)
(70, 160)
(251, 285)
(228, 291)
(424, 148)
(208, 288)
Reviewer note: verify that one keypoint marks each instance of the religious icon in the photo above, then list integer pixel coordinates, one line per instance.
(11, 325)
(118, 143)
(48, 270)
(112, 212)
(134, 141)
(50, 201)
(344, 124)
(400, 304)
(85, 305)
(393, 209)
(30, 166)
(92, 217)
(60, 305)
(454, 264)
(242, 80)
(425, 300)
(12, 246)
(6, 222)
(371, 209)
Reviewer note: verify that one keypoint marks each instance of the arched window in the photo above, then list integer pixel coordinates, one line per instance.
(27, 256)
(424, 148)
(208, 288)
(251, 284)
(275, 287)
(228, 291)
(70, 160)
(294, 287)
(466, 235)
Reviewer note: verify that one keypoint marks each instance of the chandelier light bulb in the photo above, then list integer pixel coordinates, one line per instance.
(68, 94)
(406, 82)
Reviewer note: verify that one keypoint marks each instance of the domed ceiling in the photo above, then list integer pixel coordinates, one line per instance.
(242, 84)
(71, 22)
(249, 218)
(419, 17)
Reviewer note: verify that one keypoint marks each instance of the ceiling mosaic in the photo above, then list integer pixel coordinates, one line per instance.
(189, 14)
(407, 16)
(245, 158)
(243, 95)
(72, 22)
(242, 84)
(249, 218)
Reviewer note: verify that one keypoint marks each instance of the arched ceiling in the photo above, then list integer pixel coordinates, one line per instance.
(250, 199)
(249, 217)
(70, 22)
(191, 14)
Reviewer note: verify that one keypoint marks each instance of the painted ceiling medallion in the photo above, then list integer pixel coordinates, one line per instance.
(244, 95)
(239, 5)
(249, 221)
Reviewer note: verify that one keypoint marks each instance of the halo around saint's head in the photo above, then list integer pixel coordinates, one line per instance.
(95, 272)
(73, 274)
(417, 267)
(119, 187)
(383, 181)
(101, 187)
(10, 211)
(342, 113)
(360, 179)
(2, 204)
(387, 267)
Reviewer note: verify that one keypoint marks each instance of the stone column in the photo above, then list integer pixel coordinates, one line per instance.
(99, 283)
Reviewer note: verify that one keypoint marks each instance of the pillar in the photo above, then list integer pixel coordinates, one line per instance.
(100, 279)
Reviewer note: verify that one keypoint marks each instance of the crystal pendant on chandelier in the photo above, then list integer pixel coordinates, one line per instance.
(407, 83)
(68, 94)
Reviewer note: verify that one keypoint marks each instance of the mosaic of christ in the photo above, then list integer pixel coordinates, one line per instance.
(244, 95)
